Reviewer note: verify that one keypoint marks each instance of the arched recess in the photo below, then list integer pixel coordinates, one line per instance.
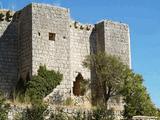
(77, 85)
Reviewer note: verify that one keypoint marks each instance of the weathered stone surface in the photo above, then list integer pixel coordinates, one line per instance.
(26, 43)
(8, 54)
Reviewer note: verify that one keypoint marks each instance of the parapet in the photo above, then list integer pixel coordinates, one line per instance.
(42, 5)
(6, 15)
(80, 26)
(113, 22)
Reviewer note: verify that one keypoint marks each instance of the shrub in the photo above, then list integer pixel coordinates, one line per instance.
(101, 113)
(43, 84)
(39, 86)
(36, 112)
(59, 116)
(3, 108)
(84, 85)
(79, 116)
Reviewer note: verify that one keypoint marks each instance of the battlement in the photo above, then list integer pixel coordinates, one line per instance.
(6, 15)
(80, 26)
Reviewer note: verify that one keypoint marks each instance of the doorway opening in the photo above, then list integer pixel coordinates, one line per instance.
(77, 85)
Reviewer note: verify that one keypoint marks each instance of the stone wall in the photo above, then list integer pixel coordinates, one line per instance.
(8, 54)
(25, 42)
(113, 37)
(55, 54)
(117, 40)
(80, 47)
(100, 37)
(45, 35)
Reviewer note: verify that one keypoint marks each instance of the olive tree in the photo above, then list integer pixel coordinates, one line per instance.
(109, 71)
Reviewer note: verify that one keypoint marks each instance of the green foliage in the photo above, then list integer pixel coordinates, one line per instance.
(79, 116)
(18, 116)
(39, 86)
(109, 72)
(59, 116)
(1, 16)
(43, 84)
(114, 78)
(102, 114)
(84, 84)
(137, 99)
(158, 113)
(3, 108)
(36, 112)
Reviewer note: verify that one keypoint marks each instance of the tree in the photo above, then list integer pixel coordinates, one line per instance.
(137, 100)
(109, 74)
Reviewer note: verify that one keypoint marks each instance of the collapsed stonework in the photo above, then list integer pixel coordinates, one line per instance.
(41, 34)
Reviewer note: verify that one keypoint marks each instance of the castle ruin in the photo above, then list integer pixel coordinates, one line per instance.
(41, 34)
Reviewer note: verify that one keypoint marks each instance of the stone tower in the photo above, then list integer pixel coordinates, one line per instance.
(41, 34)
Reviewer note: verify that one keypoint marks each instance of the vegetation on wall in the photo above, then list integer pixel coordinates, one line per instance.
(40, 85)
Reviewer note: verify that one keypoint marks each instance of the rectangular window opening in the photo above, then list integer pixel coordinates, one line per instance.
(52, 36)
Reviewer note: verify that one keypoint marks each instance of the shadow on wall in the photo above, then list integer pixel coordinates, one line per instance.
(93, 48)
(8, 55)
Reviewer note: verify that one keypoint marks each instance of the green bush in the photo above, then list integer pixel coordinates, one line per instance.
(84, 85)
(3, 108)
(79, 116)
(101, 113)
(36, 112)
(43, 84)
(39, 86)
(59, 116)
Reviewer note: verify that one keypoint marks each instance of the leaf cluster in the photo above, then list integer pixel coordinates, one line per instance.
(36, 112)
(42, 84)
(102, 113)
(137, 100)
(39, 86)
(109, 71)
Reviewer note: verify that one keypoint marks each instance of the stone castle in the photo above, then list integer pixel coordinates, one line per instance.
(41, 34)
